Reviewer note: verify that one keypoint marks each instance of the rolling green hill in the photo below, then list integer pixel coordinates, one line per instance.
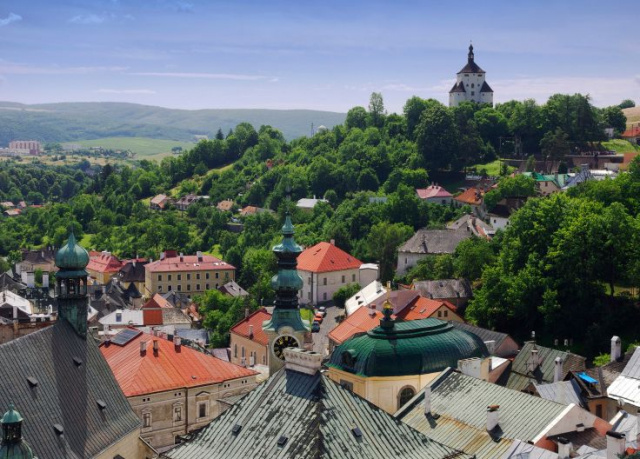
(68, 122)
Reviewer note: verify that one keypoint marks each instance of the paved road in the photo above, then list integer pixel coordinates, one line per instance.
(320, 339)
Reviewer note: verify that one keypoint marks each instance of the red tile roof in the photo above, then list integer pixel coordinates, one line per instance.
(633, 132)
(188, 263)
(470, 196)
(363, 320)
(433, 191)
(225, 205)
(168, 369)
(249, 210)
(104, 262)
(424, 308)
(324, 257)
(255, 319)
(157, 301)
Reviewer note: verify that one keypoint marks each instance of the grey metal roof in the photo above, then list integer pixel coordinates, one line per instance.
(232, 288)
(483, 333)
(521, 375)
(316, 416)
(7, 283)
(461, 403)
(632, 369)
(193, 334)
(430, 241)
(66, 393)
(565, 392)
(444, 288)
(522, 450)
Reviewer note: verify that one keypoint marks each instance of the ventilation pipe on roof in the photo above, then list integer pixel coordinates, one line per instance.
(564, 448)
(333, 242)
(427, 400)
(492, 417)
(615, 444)
(143, 348)
(181, 257)
(199, 253)
(155, 346)
(557, 370)
(616, 348)
(177, 341)
(250, 331)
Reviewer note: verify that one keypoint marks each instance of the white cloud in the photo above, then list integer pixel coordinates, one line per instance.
(13, 17)
(210, 76)
(126, 91)
(87, 19)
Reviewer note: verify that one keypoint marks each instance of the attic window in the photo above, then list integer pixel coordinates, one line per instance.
(77, 361)
(33, 382)
(236, 429)
(59, 430)
(101, 404)
(282, 440)
(357, 432)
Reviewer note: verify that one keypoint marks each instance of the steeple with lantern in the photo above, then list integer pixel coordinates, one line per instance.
(286, 328)
(13, 446)
(470, 85)
(71, 284)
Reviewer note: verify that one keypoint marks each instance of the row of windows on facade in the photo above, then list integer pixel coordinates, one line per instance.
(253, 356)
(147, 418)
(169, 287)
(344, 279)
(179, 276)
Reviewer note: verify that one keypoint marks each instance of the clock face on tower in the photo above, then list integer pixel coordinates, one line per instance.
(281, 343)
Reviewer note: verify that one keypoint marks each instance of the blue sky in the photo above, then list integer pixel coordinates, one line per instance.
(327, 55)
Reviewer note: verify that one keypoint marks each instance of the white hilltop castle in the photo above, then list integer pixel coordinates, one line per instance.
(470, 85)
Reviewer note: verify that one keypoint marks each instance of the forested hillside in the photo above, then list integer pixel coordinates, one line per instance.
(557, 269)
(64, 122)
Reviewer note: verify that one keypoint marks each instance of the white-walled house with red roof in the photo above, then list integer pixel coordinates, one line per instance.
(325, 268)
(435, 194)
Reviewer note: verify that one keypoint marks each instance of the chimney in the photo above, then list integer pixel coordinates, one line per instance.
(475, 367)
(616, 348)
(199, 253)
(181, 257)
(492, 417)
(45, 280)
(250, 331)
(557, 371)
(246, 313)
(427, 400)
(155, 346)
(333, 242)
(177, 341)
(564, 448)
(302, 361)
(615, 444)
(143, 348)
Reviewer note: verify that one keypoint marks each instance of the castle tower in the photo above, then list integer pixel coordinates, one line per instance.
(13, 446)
(71, 285)
(286, 327)
(470, 84)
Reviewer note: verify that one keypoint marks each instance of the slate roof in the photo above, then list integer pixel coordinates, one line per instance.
(400, 299)
(520, 376)
(471, 67)
(457, 87)
(428, 241)
(66, 393)
(7, 283)
(132, 271)
(232, 288)
(444, 288)
(167, 369)
(316, 417)
(177, 299)
(484, 333)
(461, 403)
(565, 392)
(326, 257)
(485, 87)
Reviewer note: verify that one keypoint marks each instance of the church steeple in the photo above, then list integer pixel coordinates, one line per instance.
(71, 284)
(286, 327)
(13, 446)
(470, 55)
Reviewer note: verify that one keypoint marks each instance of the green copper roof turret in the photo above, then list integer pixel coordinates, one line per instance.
(287, 282)
(72, 256)
(13, 446)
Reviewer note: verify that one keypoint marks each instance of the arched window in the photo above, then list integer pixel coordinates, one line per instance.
(406, 394)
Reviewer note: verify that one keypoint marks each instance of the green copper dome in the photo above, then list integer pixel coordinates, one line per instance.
(407, 348)
(13, 447)
(11, 416)
(72, 256)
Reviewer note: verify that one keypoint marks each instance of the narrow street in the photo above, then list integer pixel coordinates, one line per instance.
(320, 339)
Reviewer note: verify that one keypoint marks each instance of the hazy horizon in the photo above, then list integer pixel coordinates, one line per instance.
(331, 56)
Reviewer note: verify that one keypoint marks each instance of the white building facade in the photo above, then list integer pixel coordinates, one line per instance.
(470, 85)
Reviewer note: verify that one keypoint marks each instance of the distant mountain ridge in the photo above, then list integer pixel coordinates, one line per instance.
(69, 121)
